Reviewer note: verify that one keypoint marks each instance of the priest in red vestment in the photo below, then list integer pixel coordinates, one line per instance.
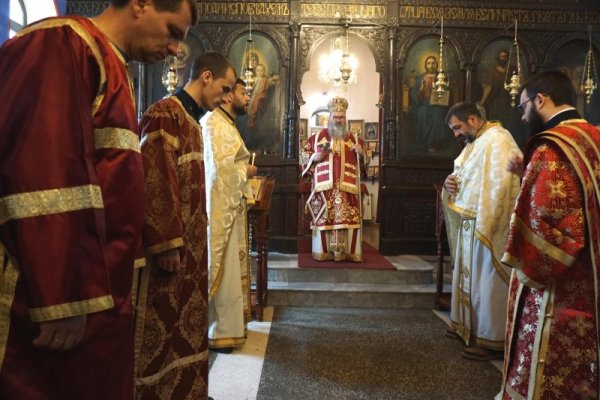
(553, 246)
(71, 195)
(334, 157)
(172, 297)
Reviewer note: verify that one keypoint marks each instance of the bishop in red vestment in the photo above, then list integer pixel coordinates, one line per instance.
(334, 157)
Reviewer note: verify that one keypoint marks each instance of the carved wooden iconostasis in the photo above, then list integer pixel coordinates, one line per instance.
(400, 41)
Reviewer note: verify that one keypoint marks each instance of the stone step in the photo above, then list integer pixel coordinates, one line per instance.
(409, 270)
(315, 294)
(409, 286)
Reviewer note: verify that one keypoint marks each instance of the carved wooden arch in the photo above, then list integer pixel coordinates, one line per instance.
(202, 38)
(570, 37)
(275, 37)
(411, 39)
(488, 39)
(313, 37)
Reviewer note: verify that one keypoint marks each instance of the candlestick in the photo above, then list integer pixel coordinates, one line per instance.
(253, 156)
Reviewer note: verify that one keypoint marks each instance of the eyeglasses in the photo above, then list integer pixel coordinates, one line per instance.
(520, 106)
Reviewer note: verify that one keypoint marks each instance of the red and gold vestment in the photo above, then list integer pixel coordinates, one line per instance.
(71, 187)
(334, 202)
(172, 307)
(553, 247)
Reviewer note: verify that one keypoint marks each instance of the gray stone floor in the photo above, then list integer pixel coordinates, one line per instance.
(352, 354)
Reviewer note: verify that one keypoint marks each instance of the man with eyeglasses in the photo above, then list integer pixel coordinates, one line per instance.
(553, 247)
(172, 301)
(478, 198)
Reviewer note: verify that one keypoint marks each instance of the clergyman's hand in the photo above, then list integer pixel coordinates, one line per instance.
(320, 155)
(451, 185)
(515, 164)
(251, 171)
(169, 260)
(358, 148)
(61, 334)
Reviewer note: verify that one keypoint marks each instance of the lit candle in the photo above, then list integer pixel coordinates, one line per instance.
(253, 156)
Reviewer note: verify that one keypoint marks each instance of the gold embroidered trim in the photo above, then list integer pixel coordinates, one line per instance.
(164, 246)
(161, 133)
(226, 342)
(88, 39)
(349, 187)
(511, 261)
(487, 243)
(463, 212)
(542, 245)
(71, 309)
(8, 283)
(527, 281)
(189, 157)
(52, 201)
(180, 362)
(139, 263)
(116, 138)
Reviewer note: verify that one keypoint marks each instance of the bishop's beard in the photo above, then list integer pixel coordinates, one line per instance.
(337, 131)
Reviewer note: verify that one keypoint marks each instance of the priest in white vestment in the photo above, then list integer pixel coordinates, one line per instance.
(227, 192)
(478, 199)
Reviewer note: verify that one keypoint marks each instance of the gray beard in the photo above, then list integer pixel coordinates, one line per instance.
(337, 131)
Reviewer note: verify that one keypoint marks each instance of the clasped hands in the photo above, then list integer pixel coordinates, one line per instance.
(451, 184)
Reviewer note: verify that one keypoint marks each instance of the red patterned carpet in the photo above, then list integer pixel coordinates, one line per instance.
(371, 258)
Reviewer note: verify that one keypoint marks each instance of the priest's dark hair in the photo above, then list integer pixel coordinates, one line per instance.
(212, 61)
(462, 111)
(165, 5)
(239, 81)
(551, 83)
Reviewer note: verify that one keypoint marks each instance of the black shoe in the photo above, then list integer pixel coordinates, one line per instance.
(223, 350)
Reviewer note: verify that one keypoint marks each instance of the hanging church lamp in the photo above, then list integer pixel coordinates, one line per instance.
(169, 74)
(513, 83)
(338, 67)
(248, 70)
(589, 76)
(441, 84)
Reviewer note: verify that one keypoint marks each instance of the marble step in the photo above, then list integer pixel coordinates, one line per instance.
(411, 285)
(361, 295)
(409, 270)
